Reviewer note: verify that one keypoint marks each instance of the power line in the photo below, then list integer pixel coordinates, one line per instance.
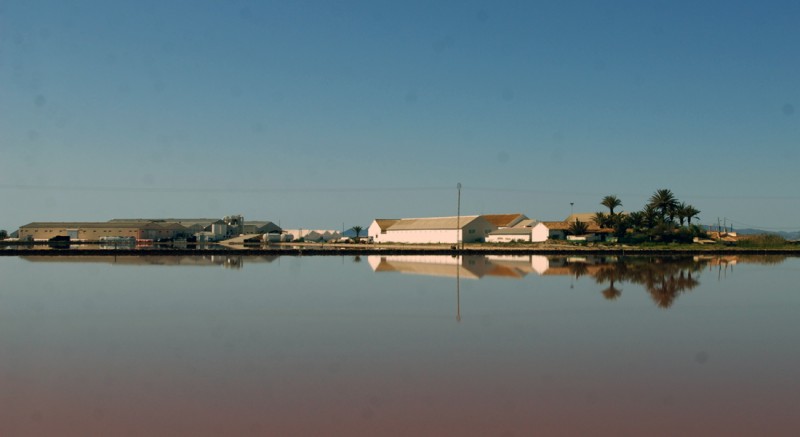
(27, 187)
(766, 228)
(355, 189)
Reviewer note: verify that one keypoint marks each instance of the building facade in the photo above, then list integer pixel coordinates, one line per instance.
(451, 230)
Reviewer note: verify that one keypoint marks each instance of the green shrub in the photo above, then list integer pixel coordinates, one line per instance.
(762, 240)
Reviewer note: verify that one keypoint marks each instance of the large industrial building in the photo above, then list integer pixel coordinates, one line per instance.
(144, 229)
(95, 231)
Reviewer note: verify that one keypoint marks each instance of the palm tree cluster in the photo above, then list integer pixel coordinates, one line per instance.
(661, 219)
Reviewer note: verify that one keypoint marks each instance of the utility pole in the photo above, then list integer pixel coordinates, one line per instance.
(458, 220)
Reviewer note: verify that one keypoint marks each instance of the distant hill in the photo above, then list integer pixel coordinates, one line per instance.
(794, 235)
(350, 233)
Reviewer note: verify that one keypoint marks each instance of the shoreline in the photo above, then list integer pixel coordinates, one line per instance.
(312, 249)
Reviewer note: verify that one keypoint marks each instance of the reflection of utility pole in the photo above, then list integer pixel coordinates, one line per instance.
(458, 288)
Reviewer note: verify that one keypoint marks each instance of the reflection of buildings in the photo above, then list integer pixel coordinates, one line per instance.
(469, 266)
(663, 278)
(233, 262)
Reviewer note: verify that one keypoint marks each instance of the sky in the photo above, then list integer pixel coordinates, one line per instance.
(330, 114)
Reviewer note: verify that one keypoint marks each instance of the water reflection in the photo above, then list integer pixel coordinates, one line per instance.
(663, 278)
(324, 346)
(226, 261)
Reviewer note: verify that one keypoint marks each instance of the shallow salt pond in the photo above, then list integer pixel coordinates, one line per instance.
(400, 345)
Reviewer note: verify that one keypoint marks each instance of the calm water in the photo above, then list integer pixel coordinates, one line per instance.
(394, 346)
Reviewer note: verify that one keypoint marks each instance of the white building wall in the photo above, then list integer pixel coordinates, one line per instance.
(540, 233)
(374, 231)
(421, 236)
(507, 238)
(475, 231)
(540, 263)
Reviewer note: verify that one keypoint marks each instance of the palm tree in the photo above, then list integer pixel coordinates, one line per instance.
(650, 216)
(637, 220)
(621, 223)
(601, 220)
(611, 202)
(665, 202)
(680, 212)
(578, 228)
(690, 213)
(357, 230)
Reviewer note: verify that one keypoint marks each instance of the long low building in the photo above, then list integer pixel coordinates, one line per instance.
(469, 229)
(144, 229)
(95, 231)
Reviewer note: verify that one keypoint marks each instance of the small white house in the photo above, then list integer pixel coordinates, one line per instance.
(549, 230)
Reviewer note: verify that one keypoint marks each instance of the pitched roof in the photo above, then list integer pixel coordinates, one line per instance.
(170, 225)
(556, 226)
(529, 223)
(412, 224)
(385, 223)
(504, 220)
(511, 231)
(260, 225)
(76, 225)
(586, 217)
(188, 222)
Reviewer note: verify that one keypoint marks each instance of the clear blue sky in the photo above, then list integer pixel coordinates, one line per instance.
(316, 114)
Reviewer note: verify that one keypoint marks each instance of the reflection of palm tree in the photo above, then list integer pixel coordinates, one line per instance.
(578, 269)
(612, 293)
(664, 279)
(610, 273)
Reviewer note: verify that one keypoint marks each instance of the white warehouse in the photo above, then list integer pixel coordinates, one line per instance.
(470, 229)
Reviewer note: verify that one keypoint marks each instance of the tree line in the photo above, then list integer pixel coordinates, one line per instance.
(662, 219)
